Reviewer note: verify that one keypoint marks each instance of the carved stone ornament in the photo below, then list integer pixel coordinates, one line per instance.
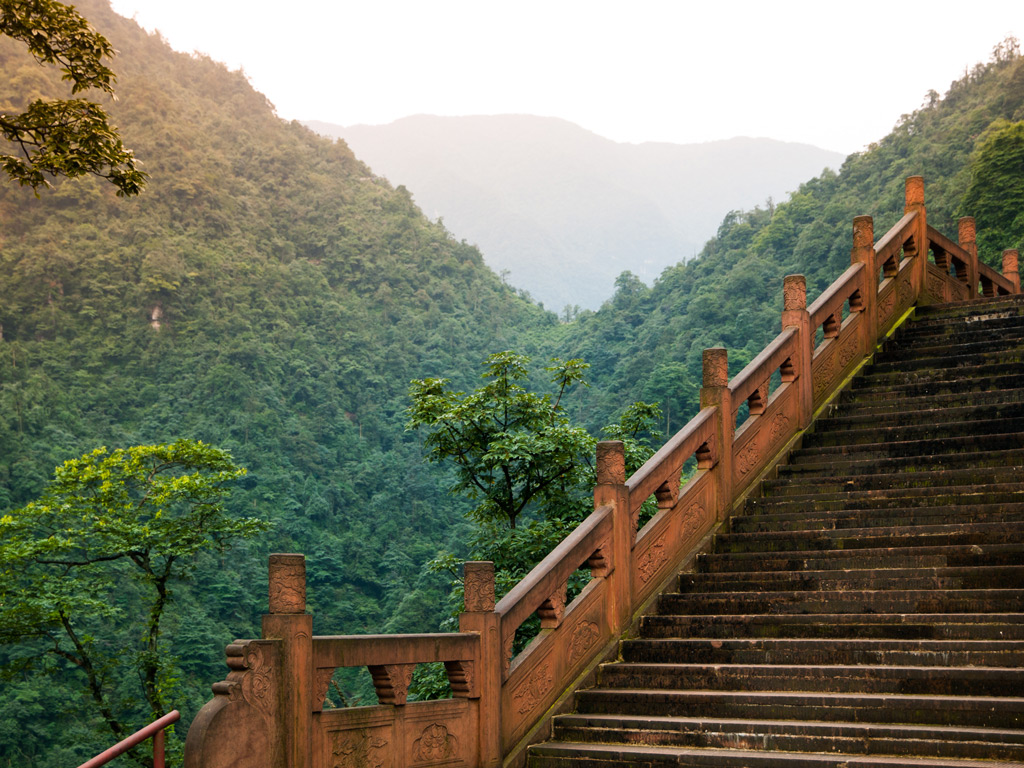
(668, 492)
(903, 290)
(692, 520)
(460, 678)
(611, 462)
(506, 654)
(478, 585)
(823, 379)
(599, 562)
(252, 675)
(779, 428)
(323, 682)
(287, 584)
(435, 745)
(747, 458)
(847, 352)
(530, 693)
(652, 560)
(886, 304)
(359, 748)
(552, 609)
(582, 640)
(794, 292)
(392, 682)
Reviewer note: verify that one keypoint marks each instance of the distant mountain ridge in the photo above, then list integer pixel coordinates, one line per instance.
(564, 210)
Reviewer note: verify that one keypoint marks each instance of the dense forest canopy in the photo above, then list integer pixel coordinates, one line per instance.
(269, 295)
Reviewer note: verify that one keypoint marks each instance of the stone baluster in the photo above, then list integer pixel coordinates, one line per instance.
(611, 490)
(914, 201)
(795, 315)
(863, 252)
(967, 235)
(715, 393)
(1010, 269)
(289, 623)
(489, 669)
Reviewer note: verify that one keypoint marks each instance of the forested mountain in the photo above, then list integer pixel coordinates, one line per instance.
(267, 294)
(564, 210)
(270, 295)
(969, 146)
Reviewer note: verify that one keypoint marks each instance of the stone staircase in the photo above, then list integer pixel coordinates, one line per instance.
(867, 608)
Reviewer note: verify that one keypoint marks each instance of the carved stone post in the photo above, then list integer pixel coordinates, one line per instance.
(715, 392)
(489, 667)
(863, 252)
(967, 234)
(914, 196)
(289, 623)
(795, 315)
(1010, 259)
(611, 489)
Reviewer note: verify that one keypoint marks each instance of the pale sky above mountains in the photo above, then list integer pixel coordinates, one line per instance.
(834, 74)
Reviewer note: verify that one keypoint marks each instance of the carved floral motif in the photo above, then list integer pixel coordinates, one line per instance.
(478, 586)
(552, 609)
(886, 304)
(583, 638)
(847, 352)
(903, 290)
(392, 682)
(936, 285)
(257, 685)
(434, 745)
(692, 520)
(779, 427)
(287, 585)
(530, 693)
(652, 560)
(360, 748)
(746, 460)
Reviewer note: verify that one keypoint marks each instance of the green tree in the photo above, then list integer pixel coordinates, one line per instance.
(92, 561)
(63, 137)
(995, 195)
(512, 448)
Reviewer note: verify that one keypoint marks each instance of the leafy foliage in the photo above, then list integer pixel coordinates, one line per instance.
(995, 195)
(68, 137)
(113, 524)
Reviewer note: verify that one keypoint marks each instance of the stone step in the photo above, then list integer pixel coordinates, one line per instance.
(922, 361)
(805, 651)
(962, 496)
(824, 678)
(945, 378)
(873, 390)
(896, 458)
(897, 404)
(971, 577)
(928, 434)
(872, 538)
(967, 312)
(925, 336)
(909, 411)
(831, 626)
(589, 755)
(838, 519)
(791, 735)
(853, 601)
(965, 496)
(926, 480)
(921, 709)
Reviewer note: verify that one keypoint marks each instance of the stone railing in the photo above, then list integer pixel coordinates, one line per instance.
(270, 710)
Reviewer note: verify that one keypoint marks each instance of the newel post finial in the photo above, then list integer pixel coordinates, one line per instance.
(967, 235)
(863, 252)
(488, 668)
(611, 490)
(290, 625)
(715, 394)
(1010, 268)
(795, 315)
(914, 196)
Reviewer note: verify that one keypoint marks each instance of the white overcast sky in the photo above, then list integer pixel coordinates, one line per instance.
(834, 74)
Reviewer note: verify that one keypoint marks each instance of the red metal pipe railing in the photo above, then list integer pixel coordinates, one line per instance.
(154, 729)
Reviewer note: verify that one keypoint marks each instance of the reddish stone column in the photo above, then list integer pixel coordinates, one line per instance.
(715, 393)
(795, 315)
(968, 240)
(863, 252)
(289, 623)
(480, 618)
(1010, 259)
(914, 197)
(611, 489)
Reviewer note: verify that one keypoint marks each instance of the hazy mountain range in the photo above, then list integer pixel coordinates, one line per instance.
(561, 211)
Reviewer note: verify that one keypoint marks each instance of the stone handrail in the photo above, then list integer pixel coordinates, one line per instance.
(269, 710)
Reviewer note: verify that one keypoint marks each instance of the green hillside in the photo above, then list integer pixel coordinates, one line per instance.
(969, 146)
(266, 294)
